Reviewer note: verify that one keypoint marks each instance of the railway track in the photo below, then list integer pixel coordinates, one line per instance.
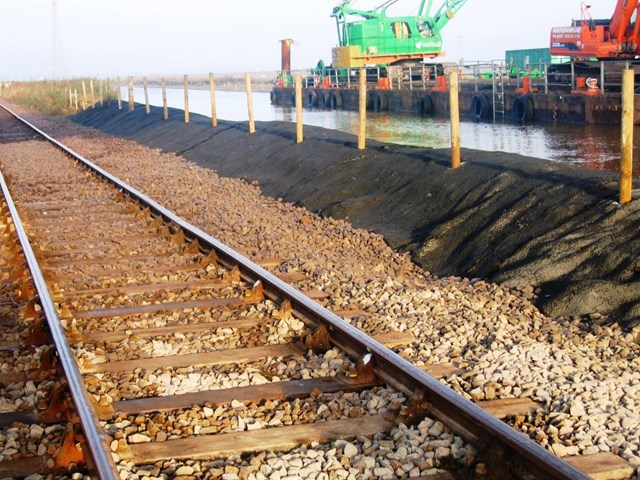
(186, 351)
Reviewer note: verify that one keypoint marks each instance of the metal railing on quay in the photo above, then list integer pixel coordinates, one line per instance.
(541, 77)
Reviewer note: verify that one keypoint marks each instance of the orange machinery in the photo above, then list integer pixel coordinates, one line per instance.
(614, 38)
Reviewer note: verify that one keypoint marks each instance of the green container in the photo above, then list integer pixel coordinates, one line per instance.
(528, 59)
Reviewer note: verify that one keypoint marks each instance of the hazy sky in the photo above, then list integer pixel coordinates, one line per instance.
(142, 37)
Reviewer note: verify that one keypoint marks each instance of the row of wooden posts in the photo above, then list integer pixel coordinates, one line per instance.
(362, 108)
(86, 99)
(626, 161)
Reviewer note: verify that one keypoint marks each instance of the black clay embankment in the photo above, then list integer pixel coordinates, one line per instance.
(514, 220)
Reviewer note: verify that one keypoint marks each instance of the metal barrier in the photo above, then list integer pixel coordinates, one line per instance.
(543, 77)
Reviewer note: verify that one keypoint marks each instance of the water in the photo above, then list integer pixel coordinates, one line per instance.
(589, 146)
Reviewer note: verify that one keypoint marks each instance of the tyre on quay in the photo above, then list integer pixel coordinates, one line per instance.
(380, 102)
(480, 106)
(425, 105)
(324, 99)
(336, 100)
(523, 109)
(312, 98)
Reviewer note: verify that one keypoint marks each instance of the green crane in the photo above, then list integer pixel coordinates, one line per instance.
(376, 39)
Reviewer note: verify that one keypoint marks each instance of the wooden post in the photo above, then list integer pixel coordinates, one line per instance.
(212, 91)
(165, 109)
(299, 127)
(93, 98)
(75, 96)
(252, 123)
(119, 93)
(146, 95)
(70, 99)
(131, 94)
(186, 99)
(626, 141)
(84, 95)
(101, 93)
(455, 119)
(362, 109)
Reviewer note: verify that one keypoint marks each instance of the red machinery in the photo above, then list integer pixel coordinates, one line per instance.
(615, 38)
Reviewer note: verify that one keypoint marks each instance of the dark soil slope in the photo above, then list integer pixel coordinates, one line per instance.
(516, 220)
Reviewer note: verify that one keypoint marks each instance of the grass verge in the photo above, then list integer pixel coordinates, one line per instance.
(56, 97)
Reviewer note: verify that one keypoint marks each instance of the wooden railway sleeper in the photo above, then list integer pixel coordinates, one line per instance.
(207, 284)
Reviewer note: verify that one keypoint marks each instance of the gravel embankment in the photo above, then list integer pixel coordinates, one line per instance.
(511, 219)
(587, 377)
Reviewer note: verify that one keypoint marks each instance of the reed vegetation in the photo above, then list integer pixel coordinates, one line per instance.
(55, 97)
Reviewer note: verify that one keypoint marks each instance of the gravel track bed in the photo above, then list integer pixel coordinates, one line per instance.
(34, 439)
(186, 317)
(587, 377)
(283, 331)
(143, 383)
(405, 451)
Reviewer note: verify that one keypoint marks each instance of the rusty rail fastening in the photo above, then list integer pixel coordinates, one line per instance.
(509, 453)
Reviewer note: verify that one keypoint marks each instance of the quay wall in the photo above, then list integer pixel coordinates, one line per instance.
(561, 107)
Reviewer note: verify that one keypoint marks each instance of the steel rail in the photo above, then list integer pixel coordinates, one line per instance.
(101, 459)
(517, 454)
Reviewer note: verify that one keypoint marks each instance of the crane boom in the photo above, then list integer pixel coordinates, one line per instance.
(373, 38)
(446, 12)
(621, 18)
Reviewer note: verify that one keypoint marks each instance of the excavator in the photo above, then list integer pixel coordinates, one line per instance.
(614, 38)
(371, 38)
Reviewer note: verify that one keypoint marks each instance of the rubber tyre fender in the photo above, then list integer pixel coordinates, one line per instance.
(324, 99)
(273, 97)
(523, 110)
(425, 105)
(380, 102)
(336, 100)
(480, 106)
(312, 98)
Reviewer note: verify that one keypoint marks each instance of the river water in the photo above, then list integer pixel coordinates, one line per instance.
(591, 146)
